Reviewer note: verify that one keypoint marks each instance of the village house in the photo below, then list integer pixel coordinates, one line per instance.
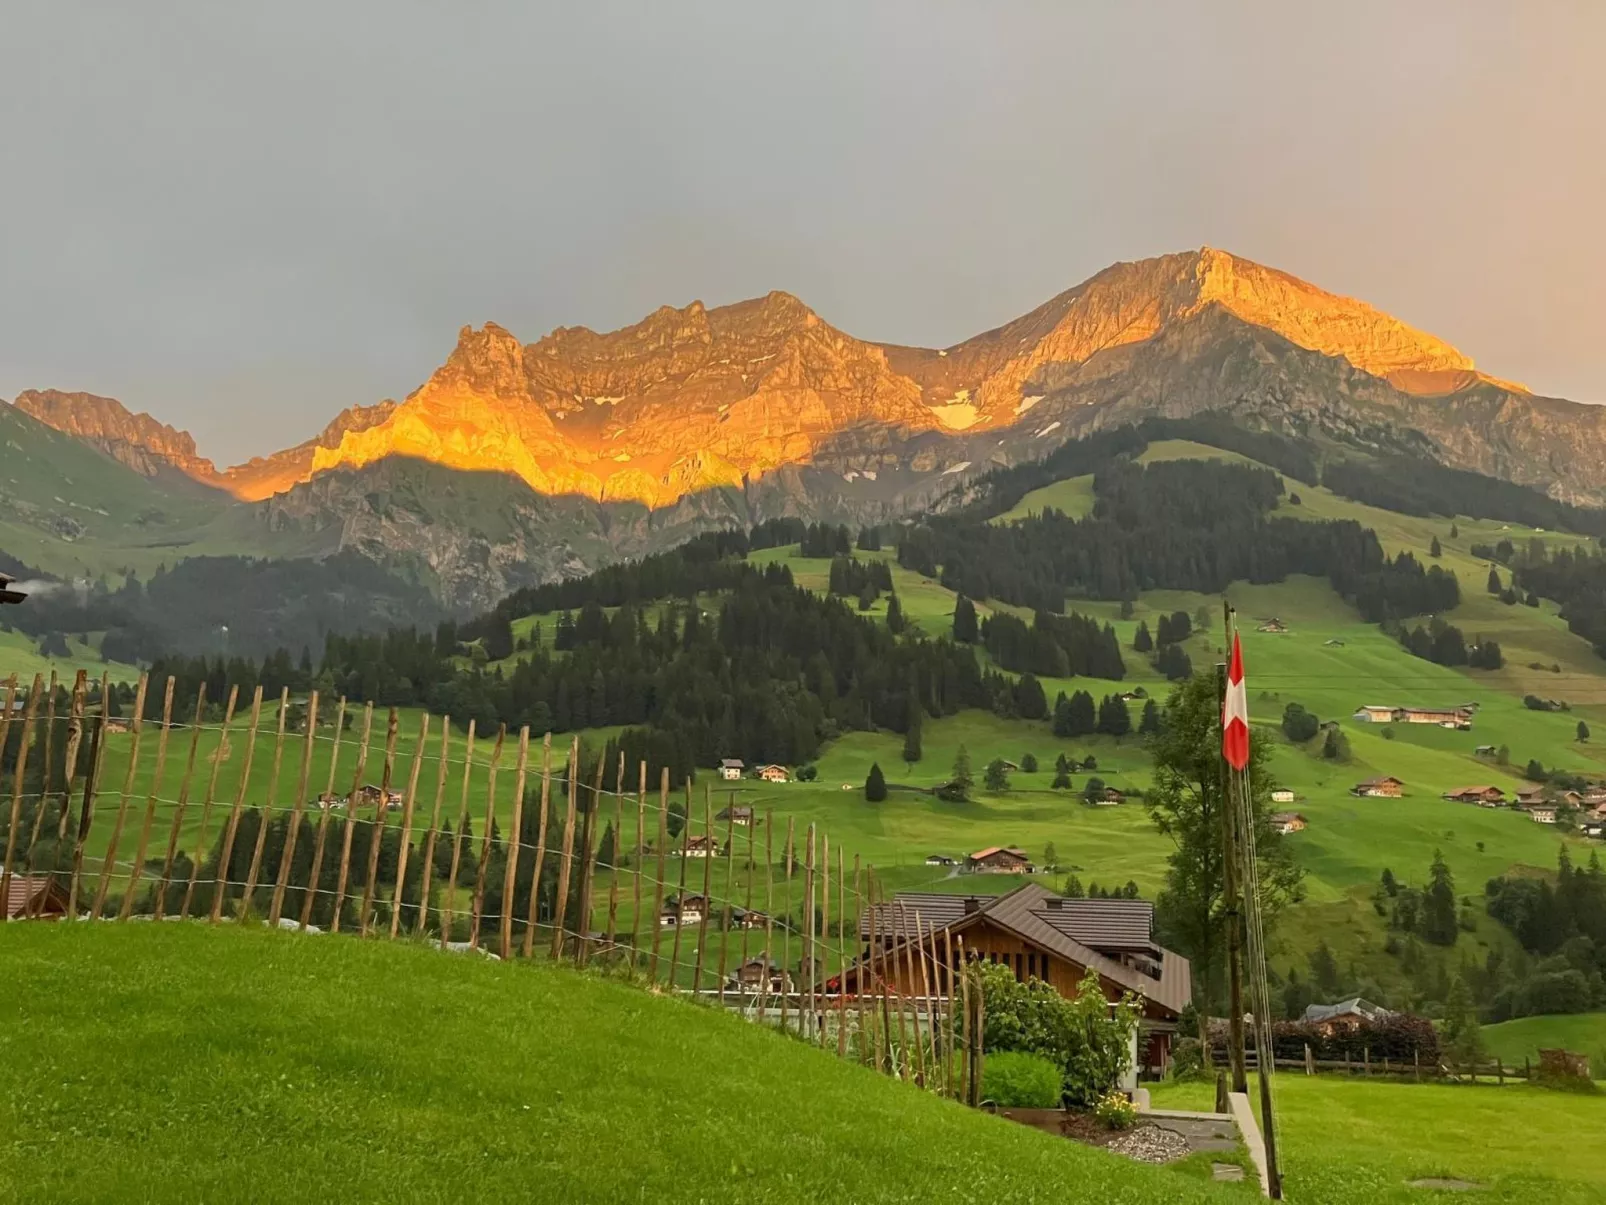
(1109, 798)
(1036, 934)
(1345, 1015)
(939, 860)
(34, 896)
(1287, 822)
(1333, 643)
(1459, 718)
(738, 814)
(115, 725)
(774, 774)
(1282, 795)
(699, 847)
(730, 768)
(1483, 796)
(759, 974)
(996, 859)
(1484, 751)
(688, 910)
(1532, 797)
(1379, 788)
(1273, 625)
(1544, 814)
(743, 918)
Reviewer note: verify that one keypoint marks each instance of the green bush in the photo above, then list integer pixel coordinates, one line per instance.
(1187, 1060)
(1013, 1079)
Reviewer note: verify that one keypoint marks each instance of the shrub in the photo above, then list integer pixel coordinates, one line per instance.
(1013, 1079)
(1187, 1060)
(1115, 1111)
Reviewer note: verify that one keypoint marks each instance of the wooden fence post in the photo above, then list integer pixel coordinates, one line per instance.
(874, 968)
(179, 809)
(5, 736)
(786, 908)
(227, 849)
(326, 804)
(612, 935)
(47, 786)
(458, 840)
(747, 904)
(951, 997)
(108, 865)
(560, 907)
(86, 809)
(297, 811)
(514, 842)
(408, 803)
(822, 962)
(143, 844)
(478, 916)
(30, 709)
(708, 885)
(532, 914)
(641, 853)
(730, 890)
(841, 956)
(657, 919)
(255, 869)
(375, 838)
(348, 829)
(590, 834)
(1310, 1061)
(765, 981)
(75, 738)
(680, 891)
(859, 985)
(927, 979)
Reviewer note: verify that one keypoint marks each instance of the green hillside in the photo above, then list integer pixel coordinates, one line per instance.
(1524, 1038)
(176, 1062)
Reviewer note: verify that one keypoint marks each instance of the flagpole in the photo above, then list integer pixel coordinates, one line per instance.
(1241, 801)
(1229, 888)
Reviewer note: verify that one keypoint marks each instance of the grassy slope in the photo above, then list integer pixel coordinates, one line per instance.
(177, 1062)
(20, 655)
(1351, 1140)
(1584, 1033)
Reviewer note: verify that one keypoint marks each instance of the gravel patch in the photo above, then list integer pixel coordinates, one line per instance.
(1151, 1144)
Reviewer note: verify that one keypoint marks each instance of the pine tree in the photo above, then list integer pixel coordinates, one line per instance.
(1028, 763)
(1149, 725)
(1073, 889)
(1391, 886)
(895, 621)
(961, 781)
(1583, 731)
(1455, 532)
(997, 776)
(1062, 765)
(875, 786)
(1051, 857)
(1438, 923)
(1494, 580)
(1461, 1034)
(1324, 970)
(1062, 781)
(1535, 770)
(912, 750)
(1433, 549)
(1142, 642)
(608, 847)
(964, 621)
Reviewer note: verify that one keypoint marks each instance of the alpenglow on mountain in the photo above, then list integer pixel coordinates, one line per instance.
(693, 398)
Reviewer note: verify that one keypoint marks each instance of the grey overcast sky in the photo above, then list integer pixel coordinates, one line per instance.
(243, 217)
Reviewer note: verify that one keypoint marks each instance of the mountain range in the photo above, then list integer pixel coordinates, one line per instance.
(515, 462)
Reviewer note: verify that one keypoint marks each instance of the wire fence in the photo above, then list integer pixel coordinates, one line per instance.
(494, 843)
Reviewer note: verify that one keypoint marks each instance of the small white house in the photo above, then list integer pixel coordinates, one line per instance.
(1282, 795)
(1542, 815)
(730, 769)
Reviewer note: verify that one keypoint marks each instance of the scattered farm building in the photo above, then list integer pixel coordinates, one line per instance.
(1345, 1015)
(939, 860)
(774, 774)
(1379, 788)
(738, 814)
(700, 847)
(1273, 625)
(688, 910)
(1458, 718)
(1037, 935)
(1484, 751)
(1545, 814)
(996, 859)
(1287, 822)
(1282, 795)
(760, 974)
(34, 896)
(730, 768)
(1484, 796)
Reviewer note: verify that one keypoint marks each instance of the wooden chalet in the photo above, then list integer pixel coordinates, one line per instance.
(774, 774)
(1273, 625)
(1379, 788)
(687, 910)
(939, 860)
(1037, 934)
(1345, 1015)
(760, 974)
(1544, 814)
(1483, 796)
(730, 768)
(32, 897)
(1288, 822)
(743, 918)
(997, 859)
(738, 814)
(1282, 795)
(706, 846)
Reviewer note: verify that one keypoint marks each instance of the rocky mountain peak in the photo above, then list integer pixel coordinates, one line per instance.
(137, 440)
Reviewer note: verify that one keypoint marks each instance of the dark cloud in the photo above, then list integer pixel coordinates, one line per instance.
(243, 217)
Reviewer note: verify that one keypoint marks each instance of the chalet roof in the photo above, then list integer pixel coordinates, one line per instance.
(730, 763)
(1285, 817)
(24, 891)
(1476, 790)
(1355, 1006)
(1377, 782)
(1064, 928)
(1013, 851)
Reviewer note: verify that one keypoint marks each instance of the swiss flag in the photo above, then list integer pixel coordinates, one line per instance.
(1235, 712)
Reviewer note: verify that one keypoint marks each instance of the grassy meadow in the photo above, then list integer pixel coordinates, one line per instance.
(1524, 1038)
(1352, 1140)
(178, 1062)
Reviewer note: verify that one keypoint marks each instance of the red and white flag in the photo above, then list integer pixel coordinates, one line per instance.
(1235, 712)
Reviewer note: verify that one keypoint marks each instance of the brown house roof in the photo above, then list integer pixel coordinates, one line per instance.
(34, 893)
(1011, 850)
(1064, 929)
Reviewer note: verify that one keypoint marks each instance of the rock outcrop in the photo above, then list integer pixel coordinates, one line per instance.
(142, 443)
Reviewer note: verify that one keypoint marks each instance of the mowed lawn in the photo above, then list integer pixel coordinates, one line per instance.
(1351, 1140)
(1524, 1038)
(181, 1063)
